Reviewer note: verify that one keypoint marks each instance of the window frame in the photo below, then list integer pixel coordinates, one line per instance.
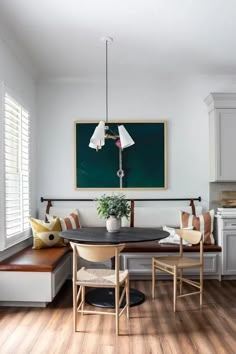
(23, 235)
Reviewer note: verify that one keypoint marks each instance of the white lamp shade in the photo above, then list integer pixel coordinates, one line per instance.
(92, 146)
(98, 138)
(125, 138)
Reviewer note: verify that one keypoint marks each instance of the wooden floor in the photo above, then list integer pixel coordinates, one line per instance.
(152, 328)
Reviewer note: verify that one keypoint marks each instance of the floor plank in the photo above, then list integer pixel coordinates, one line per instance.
(153, 328)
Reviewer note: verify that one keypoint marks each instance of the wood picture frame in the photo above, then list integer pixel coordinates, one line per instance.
(144, 163)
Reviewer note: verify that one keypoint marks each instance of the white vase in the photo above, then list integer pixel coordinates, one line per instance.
(113, 224)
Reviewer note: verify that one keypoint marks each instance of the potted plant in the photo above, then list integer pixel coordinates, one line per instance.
(113, 208)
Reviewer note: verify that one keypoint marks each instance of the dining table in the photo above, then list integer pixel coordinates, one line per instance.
(105, 297)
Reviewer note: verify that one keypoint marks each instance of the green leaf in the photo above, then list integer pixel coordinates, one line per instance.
(115, 205)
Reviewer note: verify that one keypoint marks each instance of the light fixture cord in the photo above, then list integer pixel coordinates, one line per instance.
(106, 83)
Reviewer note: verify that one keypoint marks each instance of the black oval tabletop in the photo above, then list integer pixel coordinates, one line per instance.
(100, 235)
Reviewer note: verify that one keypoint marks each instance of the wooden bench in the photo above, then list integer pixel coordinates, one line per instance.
(137, 258)
(33, 277)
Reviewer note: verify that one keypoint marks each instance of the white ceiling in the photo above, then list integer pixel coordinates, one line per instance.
(150, 36)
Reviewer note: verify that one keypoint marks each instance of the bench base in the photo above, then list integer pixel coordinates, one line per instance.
(38, 288)
(33, 288)
(139, 265)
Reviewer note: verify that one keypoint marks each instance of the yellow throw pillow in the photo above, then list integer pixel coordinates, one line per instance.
(45, 235)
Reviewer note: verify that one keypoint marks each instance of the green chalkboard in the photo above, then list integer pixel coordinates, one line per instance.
(144, 163)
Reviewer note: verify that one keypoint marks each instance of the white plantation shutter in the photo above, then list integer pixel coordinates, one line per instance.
(17, 170)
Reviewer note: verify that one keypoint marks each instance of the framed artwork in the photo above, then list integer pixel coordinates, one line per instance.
(143, 165)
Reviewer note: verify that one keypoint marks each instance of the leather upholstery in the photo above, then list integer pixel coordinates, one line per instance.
(46, 260)
(29, 260)
(154, 246)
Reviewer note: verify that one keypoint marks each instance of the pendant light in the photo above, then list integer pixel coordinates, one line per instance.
(101, 132)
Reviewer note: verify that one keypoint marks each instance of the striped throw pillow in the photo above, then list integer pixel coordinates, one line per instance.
(203, 223)
(70, 221)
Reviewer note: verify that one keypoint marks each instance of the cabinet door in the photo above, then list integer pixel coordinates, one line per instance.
(225, 144)
(229, 252)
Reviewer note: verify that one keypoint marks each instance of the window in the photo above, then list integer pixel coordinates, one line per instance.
(16, 172)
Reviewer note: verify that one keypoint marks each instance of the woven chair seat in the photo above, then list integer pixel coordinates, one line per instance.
(99, 277)
(179, 262)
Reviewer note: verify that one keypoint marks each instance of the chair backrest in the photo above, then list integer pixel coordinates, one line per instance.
(191, 236)
(96, 253)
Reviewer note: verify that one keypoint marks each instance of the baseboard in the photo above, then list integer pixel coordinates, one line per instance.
(228, 277)
(23, 304)
(169, 277)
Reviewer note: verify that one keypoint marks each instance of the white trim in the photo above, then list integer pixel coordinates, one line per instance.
(2, 171)
(18, 237)
(219, 100)
(16, 98)
(25, 234)
(15, 248)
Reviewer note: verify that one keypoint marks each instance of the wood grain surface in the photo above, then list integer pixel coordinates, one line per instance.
(153, 327)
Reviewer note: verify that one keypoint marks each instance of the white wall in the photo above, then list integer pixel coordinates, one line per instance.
(15, 75)
(178, 100)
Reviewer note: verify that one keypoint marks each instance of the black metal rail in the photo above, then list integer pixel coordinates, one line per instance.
(191, 200)
(134, 199)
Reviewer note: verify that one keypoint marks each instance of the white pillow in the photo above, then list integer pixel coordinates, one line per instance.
(174, 238)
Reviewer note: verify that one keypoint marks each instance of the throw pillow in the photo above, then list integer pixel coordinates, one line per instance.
(174, 238)
(68, 222)
(45, 235)
(203, 223)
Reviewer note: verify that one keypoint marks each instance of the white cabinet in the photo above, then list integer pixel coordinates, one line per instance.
(222, 133)
(227, 240)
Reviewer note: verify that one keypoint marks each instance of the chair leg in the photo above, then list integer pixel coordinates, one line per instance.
(175, 288)
(153, 279)
(75, 306)
(201, 285)
(83, 299)
(181, 282)
(117, 295)
(127, 296)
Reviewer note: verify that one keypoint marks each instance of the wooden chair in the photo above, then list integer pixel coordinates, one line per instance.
(103, 278)
(175, 265)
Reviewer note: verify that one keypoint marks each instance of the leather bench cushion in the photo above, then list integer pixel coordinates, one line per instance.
(46, 260)
(29, 260)
(154, 246)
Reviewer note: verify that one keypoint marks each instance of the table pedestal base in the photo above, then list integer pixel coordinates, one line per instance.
(105, 297)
